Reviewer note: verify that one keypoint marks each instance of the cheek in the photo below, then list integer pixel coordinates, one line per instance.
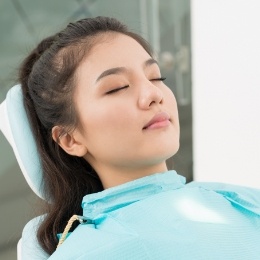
(171, 104)
(109, 130)
(170, 101)
(106, 119)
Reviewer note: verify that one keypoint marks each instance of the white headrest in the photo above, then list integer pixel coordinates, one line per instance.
(16, 128)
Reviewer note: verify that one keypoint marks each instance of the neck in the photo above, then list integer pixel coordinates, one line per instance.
(114, 176)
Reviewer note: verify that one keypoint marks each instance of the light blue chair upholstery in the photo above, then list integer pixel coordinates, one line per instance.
(15, 126)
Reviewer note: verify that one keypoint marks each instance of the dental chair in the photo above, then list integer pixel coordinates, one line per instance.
(15, 126)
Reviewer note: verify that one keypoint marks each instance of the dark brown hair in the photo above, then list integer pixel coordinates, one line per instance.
(48, 81)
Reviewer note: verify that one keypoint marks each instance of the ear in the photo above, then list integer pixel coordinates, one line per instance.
(69, 142)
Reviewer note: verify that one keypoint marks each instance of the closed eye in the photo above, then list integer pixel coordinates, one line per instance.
(124, 87)
(116, 90)
(158, 79)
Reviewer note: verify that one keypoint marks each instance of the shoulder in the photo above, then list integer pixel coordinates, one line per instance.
(225, 188)
(244, 197)
(88, 242)
(30, 248)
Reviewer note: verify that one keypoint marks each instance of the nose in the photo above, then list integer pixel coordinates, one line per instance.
(149, 95)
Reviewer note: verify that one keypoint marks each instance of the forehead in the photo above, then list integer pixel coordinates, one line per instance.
(115, 49)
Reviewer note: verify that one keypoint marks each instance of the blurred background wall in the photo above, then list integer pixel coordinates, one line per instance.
(208, 51)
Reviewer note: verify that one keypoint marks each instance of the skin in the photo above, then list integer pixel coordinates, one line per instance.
(111, 137)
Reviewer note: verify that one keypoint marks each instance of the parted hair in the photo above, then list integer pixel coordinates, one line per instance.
(48, 81)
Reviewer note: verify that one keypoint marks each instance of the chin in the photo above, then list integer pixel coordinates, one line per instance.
(163, 155)
(171, 154)
(169, 149)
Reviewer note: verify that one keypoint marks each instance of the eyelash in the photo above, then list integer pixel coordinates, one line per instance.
(117, 89)
(159, 79)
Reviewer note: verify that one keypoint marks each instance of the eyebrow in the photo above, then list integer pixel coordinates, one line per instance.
(120, 70)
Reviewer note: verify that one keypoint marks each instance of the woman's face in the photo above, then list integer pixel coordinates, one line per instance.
(128, 115)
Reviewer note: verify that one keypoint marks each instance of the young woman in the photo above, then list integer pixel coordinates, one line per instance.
(104, 124)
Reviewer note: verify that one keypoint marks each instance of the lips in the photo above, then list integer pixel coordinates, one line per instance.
(159, 120)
